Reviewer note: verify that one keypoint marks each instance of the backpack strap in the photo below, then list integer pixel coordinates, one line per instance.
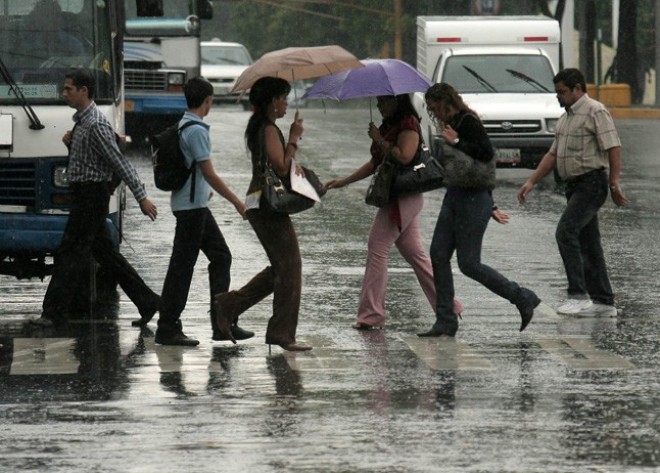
(193, 165)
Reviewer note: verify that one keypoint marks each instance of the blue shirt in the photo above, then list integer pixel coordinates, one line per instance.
(196, 146)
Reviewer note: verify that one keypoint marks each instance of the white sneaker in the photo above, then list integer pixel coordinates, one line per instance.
(598, 310)
(574, 306)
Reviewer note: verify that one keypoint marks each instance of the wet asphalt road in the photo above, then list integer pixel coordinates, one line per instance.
(567, 395)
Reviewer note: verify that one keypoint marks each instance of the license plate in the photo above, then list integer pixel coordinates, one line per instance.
(507, 155)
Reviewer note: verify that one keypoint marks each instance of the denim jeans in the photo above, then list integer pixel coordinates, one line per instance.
(460, 227)
(578, 238)
(195, 230)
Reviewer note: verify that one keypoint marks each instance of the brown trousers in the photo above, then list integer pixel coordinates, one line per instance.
(283, 278)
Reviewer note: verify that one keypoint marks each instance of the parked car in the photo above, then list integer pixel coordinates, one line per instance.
(222, 63)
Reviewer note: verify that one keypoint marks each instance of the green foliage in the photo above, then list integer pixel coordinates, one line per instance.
(366, 27)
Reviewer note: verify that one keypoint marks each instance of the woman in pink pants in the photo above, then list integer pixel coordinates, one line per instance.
(396, 223)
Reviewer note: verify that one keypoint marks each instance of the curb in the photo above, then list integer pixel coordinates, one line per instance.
(640, 113)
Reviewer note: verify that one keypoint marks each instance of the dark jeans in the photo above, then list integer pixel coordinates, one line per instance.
(460, 227)
(86, 235)
(195, 230)
(283, 278)
(578, 238)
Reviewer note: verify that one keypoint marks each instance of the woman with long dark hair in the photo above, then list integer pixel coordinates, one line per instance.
(466, 211)
(283, 278)
(397, 222)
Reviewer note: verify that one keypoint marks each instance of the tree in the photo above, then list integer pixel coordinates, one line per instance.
(626, 70)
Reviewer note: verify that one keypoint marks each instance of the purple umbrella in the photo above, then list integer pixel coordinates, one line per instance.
(378, 77)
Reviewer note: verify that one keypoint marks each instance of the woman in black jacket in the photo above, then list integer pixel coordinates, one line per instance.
(466, 210)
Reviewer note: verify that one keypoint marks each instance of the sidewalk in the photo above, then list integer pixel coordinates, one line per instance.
(639, 112)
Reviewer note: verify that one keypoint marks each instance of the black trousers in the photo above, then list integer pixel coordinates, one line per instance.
(195, 230)
(86, 235)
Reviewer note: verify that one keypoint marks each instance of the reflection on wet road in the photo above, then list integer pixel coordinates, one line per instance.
(566, 395)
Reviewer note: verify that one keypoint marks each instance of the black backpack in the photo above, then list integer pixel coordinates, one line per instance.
(169, 163)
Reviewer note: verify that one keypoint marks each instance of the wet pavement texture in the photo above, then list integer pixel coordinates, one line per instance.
(566, 395)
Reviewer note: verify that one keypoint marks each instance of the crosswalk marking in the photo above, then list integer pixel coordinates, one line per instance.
(578, 353)
(447, 354)
(324, 356)
(37, 356)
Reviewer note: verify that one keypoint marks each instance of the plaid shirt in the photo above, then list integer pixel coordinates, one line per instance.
(94, 153)
(584, 135)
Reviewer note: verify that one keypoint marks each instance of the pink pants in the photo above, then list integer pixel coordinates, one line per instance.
(384, 233)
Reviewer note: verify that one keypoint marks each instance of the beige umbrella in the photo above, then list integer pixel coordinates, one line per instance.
(298, 64)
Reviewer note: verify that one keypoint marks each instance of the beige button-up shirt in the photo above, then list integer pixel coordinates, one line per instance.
(584, 135)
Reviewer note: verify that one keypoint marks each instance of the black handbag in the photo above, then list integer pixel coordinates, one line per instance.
(462, 170)
(424, 173)
(379, 192)
(276, 193)
(277, 196)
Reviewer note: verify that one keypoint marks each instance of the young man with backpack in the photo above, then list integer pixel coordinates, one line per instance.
(196, 229)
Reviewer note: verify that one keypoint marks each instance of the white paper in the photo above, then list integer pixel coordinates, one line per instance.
(301, 185)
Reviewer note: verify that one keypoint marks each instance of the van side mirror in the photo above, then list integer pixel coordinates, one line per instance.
(149, 7)
(204, 9)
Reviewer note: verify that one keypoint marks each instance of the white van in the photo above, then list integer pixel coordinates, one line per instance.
(222, 63)
(503, 68)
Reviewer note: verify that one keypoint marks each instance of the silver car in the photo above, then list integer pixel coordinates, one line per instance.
(222, 63)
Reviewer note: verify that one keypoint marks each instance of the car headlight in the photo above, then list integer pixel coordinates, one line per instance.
(59, 177)
(551, 124)
(176, 78)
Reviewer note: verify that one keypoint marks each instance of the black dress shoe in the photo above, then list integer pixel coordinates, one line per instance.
(42, 322)
(434, 332)
(527, 312)
(46, 321)
(145, 317)
(175, 339)
(237, 332)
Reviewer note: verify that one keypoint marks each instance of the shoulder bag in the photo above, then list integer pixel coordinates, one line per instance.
(379, 192)
(277, 196)
(462, 170)
(276, 193)
(424, 173)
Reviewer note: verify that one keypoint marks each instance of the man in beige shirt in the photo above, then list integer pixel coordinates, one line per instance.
(587, 155)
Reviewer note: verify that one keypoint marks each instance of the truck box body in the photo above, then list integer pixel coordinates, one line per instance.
(503, 68)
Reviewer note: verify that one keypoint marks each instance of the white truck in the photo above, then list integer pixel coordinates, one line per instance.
(503, 68)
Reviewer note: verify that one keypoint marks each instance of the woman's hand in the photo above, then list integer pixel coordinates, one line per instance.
(334, 184)
(500, 217)
(296, 130)
(448, 134)
(374, 133)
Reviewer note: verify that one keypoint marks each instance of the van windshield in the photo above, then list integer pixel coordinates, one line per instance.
(501, 73)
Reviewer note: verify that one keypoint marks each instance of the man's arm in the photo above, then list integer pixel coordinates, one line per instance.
(614, 157)
(544, 168)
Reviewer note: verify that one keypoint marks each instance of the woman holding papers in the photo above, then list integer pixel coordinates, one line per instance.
(283, 278)
(397, 222)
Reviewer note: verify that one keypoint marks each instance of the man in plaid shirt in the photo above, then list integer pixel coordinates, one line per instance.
(586, 153)
(93, 157)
